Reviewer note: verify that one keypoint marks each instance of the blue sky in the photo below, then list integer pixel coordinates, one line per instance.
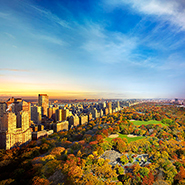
(93, 49)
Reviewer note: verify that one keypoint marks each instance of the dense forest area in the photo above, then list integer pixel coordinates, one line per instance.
(78, 156)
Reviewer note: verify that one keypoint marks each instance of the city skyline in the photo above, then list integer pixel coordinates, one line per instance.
(92, 49)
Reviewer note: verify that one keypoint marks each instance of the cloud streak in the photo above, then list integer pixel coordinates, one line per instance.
(166, 10)
(52, 17)
(10, 35)
(14, 70)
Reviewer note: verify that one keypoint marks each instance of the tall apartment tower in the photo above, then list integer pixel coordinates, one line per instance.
(43, 101)
(23, 120)
(101, 112)
(36, 114)
(118, 105)
(74, 121)
(50, 112)
(104, 104)
(65, 114)
(17, 104)
(109, 105)
(3, 107)
(14, 129)
(58, 115)
(94, 113)
(9, 122)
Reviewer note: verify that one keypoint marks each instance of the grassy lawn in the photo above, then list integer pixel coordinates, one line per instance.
(130, 139)
(147, 122)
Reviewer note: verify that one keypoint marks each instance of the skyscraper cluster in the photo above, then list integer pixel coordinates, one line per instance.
(20, 122)
(14, 123)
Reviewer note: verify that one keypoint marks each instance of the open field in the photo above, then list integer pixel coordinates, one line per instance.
(130, 139)
(146, 122)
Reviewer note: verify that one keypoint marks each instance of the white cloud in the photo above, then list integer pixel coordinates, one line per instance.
(174, 62)
(168, 10)
(15, 70)
(10, 35)
(107, 47)
(51, 39)
(51, 16)
(3, 15)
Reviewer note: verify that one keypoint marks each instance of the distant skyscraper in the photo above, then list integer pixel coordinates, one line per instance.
(43, 101)
(94, 113)
(36, 114)
(109, 105)
(58, 115)
(49, 112)
(117, 106)
(83, 119)
(104, 105)
(65, 114)
(74, 121)
(101, 112)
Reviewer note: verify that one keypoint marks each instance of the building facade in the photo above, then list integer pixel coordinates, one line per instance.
(36, 114)
(60, 126)
(14, 129)
(3, 107)
(74, 121)
(65, 114)
(43, 101)
(58, 115)
(83, 119)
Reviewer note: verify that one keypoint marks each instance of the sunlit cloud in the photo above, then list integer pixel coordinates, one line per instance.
(14, 70)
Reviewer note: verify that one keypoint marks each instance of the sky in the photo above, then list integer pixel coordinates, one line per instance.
(92, 48)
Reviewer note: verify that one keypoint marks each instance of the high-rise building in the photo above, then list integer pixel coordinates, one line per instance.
(3, 107)
(104, 104)
(74, 121)
(109, 105)
(65, 114)
(50, 112)
(117, 104)
(83, 119)
(36, 114)
(53, 112)
(9, 122)
(58, 115)
(23, 120)
(101, 112)
(90, 117)
(60, 126)
(14, 130)
(17, 104)
(94, 113)
(43, 101)
(110, 111)
(105, 111)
